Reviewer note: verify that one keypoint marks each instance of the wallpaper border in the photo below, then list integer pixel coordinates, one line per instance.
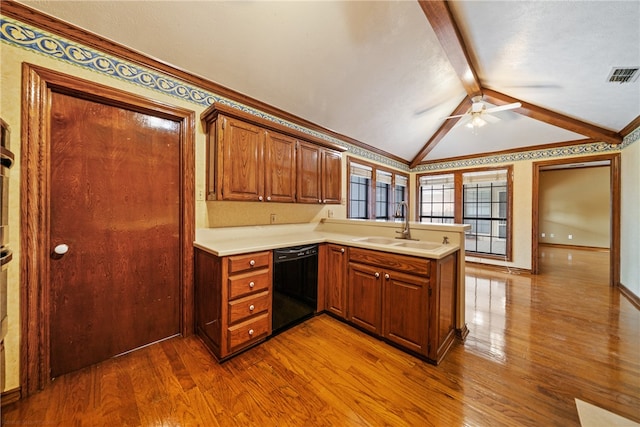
(27, 37)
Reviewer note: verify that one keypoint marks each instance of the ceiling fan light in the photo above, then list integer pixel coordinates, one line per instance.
(477, 121)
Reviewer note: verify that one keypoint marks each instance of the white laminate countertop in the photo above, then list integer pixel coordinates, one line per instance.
(238, 240)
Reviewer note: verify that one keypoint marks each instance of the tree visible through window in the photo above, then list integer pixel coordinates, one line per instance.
(480, 198)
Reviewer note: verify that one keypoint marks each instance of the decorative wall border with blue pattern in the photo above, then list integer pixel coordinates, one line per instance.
(30, 38)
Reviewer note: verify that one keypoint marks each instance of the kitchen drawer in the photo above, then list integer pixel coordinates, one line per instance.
(249, 283)
(407, 264)
(251, 261)
(243, 308)
(246, 333)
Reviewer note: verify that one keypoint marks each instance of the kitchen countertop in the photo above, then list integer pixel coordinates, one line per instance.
(237, 240)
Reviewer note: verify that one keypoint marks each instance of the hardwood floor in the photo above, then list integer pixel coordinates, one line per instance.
(536, 343)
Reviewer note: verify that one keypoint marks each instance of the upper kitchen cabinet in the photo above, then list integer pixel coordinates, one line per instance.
(319, 174)
(240, 157)
(253, 159)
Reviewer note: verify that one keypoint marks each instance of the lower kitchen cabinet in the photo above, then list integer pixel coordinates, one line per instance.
(233, 298)
(335, 276)
(365, 297)
(406, 308)
(406, 300)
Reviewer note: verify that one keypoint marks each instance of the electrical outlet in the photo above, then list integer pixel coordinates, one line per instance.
(273, 218)
(330, 213)
(570, 236)
(200, 195)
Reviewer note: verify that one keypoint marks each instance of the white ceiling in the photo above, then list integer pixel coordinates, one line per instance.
(376, 72)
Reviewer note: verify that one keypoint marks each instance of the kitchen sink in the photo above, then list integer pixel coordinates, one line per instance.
(376, 240)
(419, 245)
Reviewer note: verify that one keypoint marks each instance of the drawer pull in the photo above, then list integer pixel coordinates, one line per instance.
(252, 284)
(252, 262)
(377, 275)
(250, 332)
(342, 250)
(386, 276)
(252, 307)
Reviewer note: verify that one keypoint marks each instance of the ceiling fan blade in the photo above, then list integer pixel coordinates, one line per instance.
(489, 118)
(463, 121)
(503, 107)
(453, 117)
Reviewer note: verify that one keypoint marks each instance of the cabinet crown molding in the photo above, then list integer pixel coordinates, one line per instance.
(211, 114)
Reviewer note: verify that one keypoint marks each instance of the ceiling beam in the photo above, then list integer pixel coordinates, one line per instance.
(448, 124)
(439, 16)
(553, 118)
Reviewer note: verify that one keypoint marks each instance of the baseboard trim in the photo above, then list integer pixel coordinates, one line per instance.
(501, 268)
(10, 396)
(584, 248)
(633, 298)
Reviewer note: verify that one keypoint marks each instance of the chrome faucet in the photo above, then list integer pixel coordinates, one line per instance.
(405, 233)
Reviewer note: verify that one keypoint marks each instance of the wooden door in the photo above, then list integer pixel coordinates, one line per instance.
(331, 177)
(405, 314)
(336, 286)
(365, 295)
(280, 164)
(242, 157)
(309, 173)
(115, 201)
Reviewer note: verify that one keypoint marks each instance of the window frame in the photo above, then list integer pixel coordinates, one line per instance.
(372, 190)
(459, 205)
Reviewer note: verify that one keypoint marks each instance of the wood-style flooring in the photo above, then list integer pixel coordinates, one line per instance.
(536, 343)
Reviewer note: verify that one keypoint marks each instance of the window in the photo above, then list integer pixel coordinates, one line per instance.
(375, 192)
(400, 194)
(437, 198)
(359, 181)
(480, 198)
(485, 208)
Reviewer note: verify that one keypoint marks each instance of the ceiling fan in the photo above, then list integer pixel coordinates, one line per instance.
(479, 115)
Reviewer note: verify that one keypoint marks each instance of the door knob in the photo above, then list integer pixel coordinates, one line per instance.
(61, 249)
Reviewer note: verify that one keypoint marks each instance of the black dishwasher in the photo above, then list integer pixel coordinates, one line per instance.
(295, 286)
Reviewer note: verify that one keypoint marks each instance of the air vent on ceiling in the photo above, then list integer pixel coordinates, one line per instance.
(623, 74)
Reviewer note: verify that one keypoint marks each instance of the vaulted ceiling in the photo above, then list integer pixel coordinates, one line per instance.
(385, 74)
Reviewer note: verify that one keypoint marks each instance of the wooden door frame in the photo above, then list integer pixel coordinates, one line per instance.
(37, 85)
(614, 232)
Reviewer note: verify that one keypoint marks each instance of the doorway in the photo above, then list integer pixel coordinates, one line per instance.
(613, 162)
(107, 224)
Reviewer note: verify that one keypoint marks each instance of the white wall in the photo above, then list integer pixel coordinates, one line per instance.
(630, 217)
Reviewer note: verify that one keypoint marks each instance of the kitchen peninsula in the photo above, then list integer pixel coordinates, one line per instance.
(410, 293)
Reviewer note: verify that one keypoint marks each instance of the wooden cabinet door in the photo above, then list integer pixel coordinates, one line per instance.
(242, 160)
(309, 173)
(280, 168)
(442, 307)
(336, 280)
(365, 295)
(331, 177)
(405, 314)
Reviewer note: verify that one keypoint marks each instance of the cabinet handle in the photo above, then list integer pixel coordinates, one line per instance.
(252, 307)
(260, 198)
(342, 250)
(324, 201)
(319, 201)
(386, 276)
(252, 262)
(377, 275)
(251, 284)
(268, 198)
(250, 332)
